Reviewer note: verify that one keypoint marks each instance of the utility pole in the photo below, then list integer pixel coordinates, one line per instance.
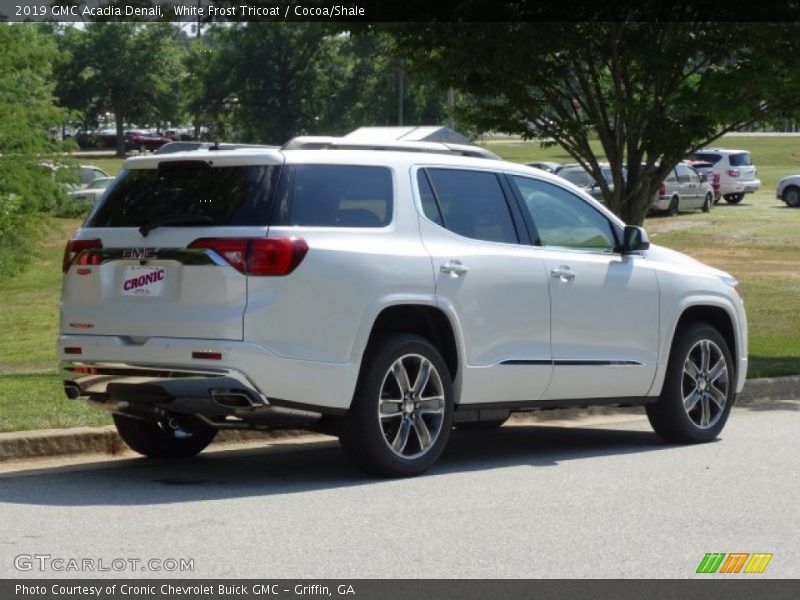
(401, 82)
(451, 104)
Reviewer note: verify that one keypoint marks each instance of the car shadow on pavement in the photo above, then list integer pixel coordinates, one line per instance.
(300, 467)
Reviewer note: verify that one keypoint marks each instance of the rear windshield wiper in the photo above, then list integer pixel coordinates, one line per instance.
(175, 220)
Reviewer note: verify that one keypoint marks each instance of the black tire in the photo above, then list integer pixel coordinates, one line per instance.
(477, 426)
(154, 439)
(709, 200)
(669, 416)
(365, 436)
(791, 196)
(734, 198)
(673, 206)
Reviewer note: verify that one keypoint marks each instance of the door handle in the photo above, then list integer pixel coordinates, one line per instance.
(563, 273)
(454, 268)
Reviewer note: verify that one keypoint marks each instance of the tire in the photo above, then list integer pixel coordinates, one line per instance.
(400, 420)
(707, 203)
(155, 439)
(476, 426)
(791, 196)
(673, 206)
(712, 388)
(734, 198)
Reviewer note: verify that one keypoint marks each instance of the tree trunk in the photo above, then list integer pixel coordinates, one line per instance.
(120, 134)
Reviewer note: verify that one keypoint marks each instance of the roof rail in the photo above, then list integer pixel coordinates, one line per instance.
(334, 143)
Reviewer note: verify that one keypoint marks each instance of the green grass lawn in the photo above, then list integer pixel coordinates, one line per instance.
(756, 241)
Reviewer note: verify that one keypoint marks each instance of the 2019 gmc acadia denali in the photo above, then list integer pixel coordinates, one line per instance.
(384, 295)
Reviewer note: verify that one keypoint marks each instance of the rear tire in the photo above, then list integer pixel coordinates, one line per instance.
(673, 207)
(791, 196)
(698, 390)
(734, 198)
(155, 439)
(402, 411)
(707, 203)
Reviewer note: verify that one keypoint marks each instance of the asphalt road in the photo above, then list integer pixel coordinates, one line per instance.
(604, 498)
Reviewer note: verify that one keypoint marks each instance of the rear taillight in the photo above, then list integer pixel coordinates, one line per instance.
(75, 248)
(258, 256)
(733, 172)
(662, 189)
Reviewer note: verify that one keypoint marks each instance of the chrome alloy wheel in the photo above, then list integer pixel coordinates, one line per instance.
(411, 406)
(705, 384)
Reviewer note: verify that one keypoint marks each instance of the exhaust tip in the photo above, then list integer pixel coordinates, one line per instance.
(235, 399)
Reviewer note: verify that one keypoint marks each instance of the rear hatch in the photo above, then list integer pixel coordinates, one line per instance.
(741, 162)
(163, 254)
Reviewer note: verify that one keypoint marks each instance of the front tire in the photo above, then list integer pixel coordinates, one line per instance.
(698, 389)
(791, 196)
(402, 411)
(155, 439)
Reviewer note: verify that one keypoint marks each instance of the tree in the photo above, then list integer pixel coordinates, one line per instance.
(27, 113)
(650, 92)
(132, 70)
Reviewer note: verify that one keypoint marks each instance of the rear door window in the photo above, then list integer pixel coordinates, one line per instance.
(472, 204)
(218, 196)
(337, 196)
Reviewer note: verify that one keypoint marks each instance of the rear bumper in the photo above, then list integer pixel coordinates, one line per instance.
(247, 381)
(740, 187)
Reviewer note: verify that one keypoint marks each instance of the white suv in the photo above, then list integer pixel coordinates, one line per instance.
(737, 174)
(382, 295)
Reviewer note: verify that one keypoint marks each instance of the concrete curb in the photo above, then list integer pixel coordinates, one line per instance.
(104, 440)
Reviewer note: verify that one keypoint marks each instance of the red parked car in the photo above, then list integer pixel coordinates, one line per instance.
(135, 140)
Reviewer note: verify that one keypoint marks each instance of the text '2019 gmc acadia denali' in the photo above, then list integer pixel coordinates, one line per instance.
(384, 295)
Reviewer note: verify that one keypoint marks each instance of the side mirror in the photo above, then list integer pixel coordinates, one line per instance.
(634, 239)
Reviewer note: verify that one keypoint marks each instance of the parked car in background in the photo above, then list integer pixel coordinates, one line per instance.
(789, 190)
(546, 165)
(145, 141)
(706, 169)
(737, 174)
(683, 189)
(92, 192)
(577, 175)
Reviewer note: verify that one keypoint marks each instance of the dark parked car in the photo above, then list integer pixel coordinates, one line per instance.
(576, 174)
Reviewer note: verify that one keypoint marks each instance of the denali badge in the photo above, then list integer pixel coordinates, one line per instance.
(139, 253)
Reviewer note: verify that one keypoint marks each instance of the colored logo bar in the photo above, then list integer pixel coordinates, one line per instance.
(734, 562)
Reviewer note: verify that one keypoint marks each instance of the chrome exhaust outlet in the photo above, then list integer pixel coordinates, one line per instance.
(235, 399)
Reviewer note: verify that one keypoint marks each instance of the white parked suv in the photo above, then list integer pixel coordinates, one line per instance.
(737, 174)
(386, 295)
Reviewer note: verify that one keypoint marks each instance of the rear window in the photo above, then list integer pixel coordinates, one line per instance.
(740, 160)
(706, 156)
(226, 196)
(337, 196)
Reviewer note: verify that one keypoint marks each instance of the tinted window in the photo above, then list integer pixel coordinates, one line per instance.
(472, 204)
(740, 160)
(341, 196)
(225, 195)
(429, 206)
(707, 156)
(563, 219)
